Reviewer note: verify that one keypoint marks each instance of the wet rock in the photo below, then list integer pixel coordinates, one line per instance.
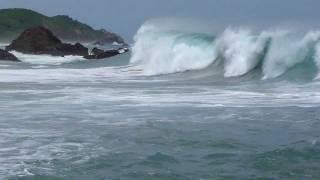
(40, 40)
(7, 56)
(96, 51)
(77, 49)
(99, 54)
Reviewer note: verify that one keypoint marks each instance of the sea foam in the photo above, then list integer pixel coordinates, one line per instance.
(238, 51)
(46, 59)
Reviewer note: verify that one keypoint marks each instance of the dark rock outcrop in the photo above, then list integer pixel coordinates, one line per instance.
(76, 49)
(96, 51)
(7, 56)
(40, 40)
(100, 54)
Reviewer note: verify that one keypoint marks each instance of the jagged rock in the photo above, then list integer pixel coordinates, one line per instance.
(77, 49)
(40, 40)
(7, 56)
(100, 54)
(96, 51)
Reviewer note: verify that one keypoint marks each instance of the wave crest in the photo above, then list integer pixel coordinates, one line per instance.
(238, 51)
(169, 52)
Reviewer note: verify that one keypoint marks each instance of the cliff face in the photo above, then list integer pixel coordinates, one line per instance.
(15, 21)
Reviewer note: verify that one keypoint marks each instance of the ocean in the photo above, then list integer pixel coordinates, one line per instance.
(180, 106)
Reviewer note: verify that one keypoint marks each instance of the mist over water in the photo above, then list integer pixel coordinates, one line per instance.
(184, 104)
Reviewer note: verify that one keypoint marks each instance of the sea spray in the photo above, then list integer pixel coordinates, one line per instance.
(287, 51)
(170, 52)
(238, 51)
(317, 58)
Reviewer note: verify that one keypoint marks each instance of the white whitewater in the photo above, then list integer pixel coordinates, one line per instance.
(287, 51)
(162, 53)
(46, 59)
(239, 51)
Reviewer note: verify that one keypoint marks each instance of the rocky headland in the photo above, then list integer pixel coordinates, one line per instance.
(40, 40)
(14, 21)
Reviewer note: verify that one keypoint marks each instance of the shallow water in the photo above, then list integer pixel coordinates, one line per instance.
(104, 120)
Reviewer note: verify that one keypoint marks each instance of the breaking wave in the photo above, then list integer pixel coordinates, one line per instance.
(237, 51)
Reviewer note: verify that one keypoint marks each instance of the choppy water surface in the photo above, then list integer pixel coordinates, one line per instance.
(68, 118)
(98, 120)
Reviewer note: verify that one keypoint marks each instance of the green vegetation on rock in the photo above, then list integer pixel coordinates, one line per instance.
(15, 21)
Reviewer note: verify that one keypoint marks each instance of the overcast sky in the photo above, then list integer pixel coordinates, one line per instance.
(126, 16)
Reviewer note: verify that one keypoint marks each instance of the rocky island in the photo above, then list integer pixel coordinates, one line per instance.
(34, 33)
(14, 21)
(40, 40)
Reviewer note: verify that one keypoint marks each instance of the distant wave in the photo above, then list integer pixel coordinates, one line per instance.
(237, 51)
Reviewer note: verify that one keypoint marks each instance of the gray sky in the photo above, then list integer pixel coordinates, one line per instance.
(126, 16)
